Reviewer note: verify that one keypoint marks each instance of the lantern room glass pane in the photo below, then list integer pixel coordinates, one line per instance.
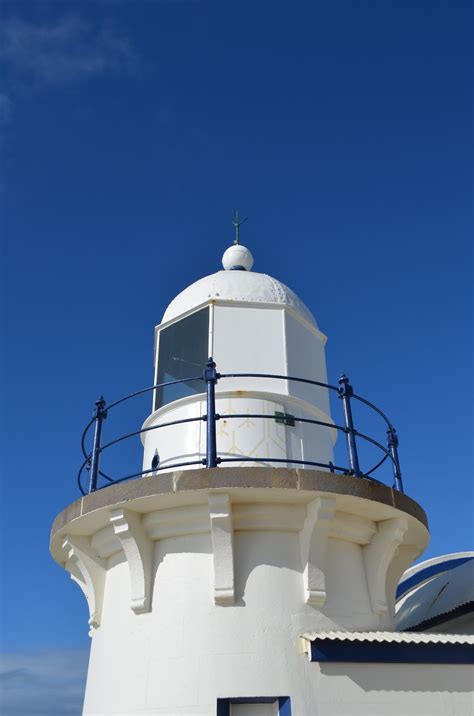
(182, 353)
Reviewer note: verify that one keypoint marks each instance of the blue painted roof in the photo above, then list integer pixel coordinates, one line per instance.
(435, 588)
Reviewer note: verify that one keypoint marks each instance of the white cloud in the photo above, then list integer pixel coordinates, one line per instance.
(43, 683)
(67, 50)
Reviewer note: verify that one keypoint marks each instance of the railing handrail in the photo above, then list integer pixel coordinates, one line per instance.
(210, 378)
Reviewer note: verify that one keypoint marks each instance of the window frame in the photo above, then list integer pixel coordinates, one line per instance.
(169, 324)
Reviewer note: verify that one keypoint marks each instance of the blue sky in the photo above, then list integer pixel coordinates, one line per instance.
(129, 131)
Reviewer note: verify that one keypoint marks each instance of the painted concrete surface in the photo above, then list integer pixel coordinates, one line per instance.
(204, 593)
(394, 689)
(163, 490)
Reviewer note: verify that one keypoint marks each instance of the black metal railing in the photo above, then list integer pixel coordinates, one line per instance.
(210, 378)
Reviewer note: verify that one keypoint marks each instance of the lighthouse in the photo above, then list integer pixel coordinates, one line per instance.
(212, 572)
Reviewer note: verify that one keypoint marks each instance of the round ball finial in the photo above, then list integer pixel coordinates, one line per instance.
(237, 258)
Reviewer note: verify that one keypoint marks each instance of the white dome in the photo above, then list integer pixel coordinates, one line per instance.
(246, 286)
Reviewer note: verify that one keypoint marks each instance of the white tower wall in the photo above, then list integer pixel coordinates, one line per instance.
(201, 583)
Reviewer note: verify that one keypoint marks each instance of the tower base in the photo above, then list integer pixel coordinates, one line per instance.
(202, 583)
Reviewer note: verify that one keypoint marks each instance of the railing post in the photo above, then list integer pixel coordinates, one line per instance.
(392, 441)
(345, 393)
(100, 413)
(210, 376)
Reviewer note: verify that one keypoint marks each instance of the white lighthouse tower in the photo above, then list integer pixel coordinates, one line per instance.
(206, 576)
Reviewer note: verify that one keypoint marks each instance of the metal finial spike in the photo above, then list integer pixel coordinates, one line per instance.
(237, 222)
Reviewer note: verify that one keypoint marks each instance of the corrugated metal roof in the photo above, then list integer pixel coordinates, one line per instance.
(390, 637)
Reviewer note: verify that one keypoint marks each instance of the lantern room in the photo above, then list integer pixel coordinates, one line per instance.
(253, 325)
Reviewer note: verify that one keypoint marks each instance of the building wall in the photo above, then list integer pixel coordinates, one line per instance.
(393, 689)
(201, 584)
(188, 651)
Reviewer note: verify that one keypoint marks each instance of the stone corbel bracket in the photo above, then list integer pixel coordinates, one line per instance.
(403, 558)
(313, 545)
(138, 550)
(88, 570)
(222, 535)
(378, 556)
